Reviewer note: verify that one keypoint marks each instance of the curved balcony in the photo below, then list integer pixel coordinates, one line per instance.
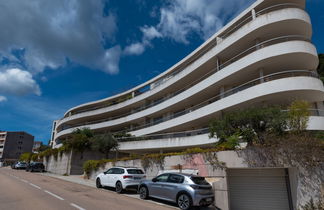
(256, 85)
(194, 138)
(269, 48)
(290, 13)
(284, 88)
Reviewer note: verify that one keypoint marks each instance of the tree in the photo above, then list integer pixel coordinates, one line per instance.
(251, 124)
(298, 113)
(43, 147)
(26, 156)
(80, 140)
(104, 143)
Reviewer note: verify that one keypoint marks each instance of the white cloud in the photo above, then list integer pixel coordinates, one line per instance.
(3, 99)
(111, 59)
(138, 48)
(180, 18)
(150, 33)
(18, 82)
(135, 49)
(46, 33)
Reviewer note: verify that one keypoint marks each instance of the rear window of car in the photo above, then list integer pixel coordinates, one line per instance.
(135, 171)
(199, 180)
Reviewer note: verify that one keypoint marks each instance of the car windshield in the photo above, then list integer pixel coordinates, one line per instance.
(135, 171)
(199, 180)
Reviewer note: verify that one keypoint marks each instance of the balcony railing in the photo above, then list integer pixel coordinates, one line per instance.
(271, 77)
(312, 112)
(267, 78)
(166, 135)
(192, 59)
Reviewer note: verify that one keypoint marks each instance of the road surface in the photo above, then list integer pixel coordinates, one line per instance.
(26, 190)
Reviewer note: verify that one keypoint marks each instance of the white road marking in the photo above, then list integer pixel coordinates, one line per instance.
(76, 206)
(38, 187)
(52, 194)
(23, 180)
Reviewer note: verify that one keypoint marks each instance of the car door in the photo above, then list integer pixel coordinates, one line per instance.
(156, 186)
(106, 177)
(117, 175)
(170, 188)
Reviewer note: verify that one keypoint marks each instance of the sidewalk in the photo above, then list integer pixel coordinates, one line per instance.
(78, 179)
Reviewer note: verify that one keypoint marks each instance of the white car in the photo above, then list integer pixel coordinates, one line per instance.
(121, 178)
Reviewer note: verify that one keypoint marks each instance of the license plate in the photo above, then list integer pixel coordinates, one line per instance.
(209, 199)
(137, 177)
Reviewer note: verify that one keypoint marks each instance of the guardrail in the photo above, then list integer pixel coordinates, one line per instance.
(193, 58)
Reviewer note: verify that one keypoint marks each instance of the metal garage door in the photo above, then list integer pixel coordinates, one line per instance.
(258, 189)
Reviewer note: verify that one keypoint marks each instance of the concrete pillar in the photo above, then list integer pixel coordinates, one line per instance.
(261, 75)
(217, 64)
(222, 91)
(320, 108)
(133, 94)
(221, 193)
(218, 40)
(257, 42)
(253, 14)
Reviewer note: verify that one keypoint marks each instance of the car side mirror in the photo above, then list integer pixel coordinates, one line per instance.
(154, 180)
(105, 173)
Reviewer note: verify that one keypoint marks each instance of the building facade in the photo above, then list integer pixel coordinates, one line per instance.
(36, 146)
(262, 57)
(13, 144)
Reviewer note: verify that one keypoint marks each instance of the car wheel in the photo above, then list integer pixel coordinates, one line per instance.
(184, 201)
(98, 183)
(119, 187)
(143, 191)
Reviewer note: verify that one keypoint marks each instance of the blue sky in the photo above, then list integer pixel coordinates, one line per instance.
(58, 54)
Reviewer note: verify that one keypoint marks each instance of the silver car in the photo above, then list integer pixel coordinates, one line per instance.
(186, 190)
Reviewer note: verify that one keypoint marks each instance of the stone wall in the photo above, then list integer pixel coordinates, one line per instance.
(69, 163)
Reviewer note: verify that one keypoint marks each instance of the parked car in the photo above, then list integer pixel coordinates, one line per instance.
(35, 166)
(186, 190)
(121, 178)
(20, 165)
(13, 166)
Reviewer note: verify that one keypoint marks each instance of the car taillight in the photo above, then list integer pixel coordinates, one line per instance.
(127, 177)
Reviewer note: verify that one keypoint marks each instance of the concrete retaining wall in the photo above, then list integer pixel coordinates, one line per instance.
(70, 163)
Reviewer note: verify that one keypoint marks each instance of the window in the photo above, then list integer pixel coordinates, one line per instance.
(174, 178)
(119, 171)
(162, 178)
(199, 180)
(135, 171)
(110, 171)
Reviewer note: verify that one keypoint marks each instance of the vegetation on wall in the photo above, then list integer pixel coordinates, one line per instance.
(253, 125)
(320, 68)
(148, 159)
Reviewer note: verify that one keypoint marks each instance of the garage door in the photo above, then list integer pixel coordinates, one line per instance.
(256, 189)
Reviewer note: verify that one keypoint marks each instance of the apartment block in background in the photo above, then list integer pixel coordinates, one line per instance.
(13, 144)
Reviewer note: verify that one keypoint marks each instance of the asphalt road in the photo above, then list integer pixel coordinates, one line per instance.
(25, 190)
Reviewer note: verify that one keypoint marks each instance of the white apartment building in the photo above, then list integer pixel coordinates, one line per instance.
(263, 56)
